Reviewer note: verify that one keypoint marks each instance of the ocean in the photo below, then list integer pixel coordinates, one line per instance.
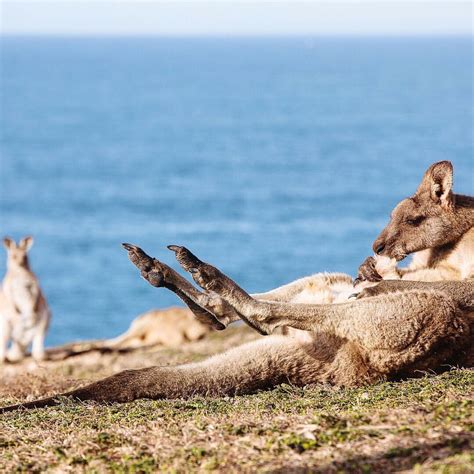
(271, 158)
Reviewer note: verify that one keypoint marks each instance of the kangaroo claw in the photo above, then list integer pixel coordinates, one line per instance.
(138, 257)
(186, 258)
(129, 247)
(367, 272)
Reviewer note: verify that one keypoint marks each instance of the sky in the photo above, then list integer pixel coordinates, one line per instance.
(231, 18)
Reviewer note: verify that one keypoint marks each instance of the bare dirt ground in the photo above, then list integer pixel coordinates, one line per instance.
(422, 425)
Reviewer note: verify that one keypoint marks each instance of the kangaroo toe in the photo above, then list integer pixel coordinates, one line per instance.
(186, 258)
(138, 257)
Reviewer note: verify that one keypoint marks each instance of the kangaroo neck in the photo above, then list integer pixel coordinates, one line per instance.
(464, 213)
(15, 268)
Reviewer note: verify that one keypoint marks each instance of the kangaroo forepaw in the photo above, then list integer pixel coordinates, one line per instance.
(367, 293)
(367, 272)
(384, 287)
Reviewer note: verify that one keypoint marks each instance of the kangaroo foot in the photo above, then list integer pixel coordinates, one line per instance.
(218, 284)
(159, 275)
(152, 270)
(186, 258)
(16, 353)
(205, 275)
(223, 311)
(138, 257)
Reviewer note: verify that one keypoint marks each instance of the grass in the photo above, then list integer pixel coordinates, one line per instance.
(422, 425)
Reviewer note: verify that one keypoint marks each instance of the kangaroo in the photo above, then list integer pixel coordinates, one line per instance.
(436, 225)
(380, 335)
(170, 327)
(24, 313)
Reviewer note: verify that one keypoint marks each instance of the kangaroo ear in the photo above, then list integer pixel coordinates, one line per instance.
(26, 243)
(8, 243)
(438, 182)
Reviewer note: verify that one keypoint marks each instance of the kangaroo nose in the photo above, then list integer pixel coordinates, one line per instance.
(379, 249)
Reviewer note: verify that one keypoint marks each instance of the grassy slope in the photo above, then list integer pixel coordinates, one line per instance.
(423, 424)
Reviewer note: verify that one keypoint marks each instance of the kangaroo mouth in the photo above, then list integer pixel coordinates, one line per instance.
(400, 255)
(397, 253)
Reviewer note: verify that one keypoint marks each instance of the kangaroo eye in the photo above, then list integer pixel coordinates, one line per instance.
(416, 220)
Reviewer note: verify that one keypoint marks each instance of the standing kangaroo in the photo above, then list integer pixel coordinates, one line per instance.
(24, 313)
(391, 330)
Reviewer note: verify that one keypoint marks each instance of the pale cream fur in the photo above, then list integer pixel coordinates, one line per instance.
(459, 264)
(170, 327)
(24, 313)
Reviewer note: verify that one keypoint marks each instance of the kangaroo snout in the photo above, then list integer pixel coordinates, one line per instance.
(379, 245)
(378, 248)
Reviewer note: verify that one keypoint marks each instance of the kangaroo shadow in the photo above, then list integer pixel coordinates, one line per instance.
(395, 459)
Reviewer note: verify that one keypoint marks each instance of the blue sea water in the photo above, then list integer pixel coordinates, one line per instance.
(272, 158)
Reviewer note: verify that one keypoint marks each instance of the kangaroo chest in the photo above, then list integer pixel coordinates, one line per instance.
(458, 257)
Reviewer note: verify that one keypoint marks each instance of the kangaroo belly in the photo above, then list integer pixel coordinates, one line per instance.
(452, 351)
(23, 334)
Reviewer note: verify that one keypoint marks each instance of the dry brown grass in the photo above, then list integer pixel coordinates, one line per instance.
(423, 425)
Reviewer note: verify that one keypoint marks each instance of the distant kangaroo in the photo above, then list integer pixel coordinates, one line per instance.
(392, 330)
(24, 313)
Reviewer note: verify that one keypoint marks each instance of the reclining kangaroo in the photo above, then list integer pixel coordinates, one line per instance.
(24, 313)
(391, 330)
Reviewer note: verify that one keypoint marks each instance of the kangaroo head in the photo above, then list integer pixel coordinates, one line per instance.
(17, 255)
(425, 220)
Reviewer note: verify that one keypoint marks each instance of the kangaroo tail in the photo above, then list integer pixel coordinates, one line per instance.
(120, 340)
(44, 402)
(258, 365)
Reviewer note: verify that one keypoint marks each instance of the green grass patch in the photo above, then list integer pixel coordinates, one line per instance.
(424, 424)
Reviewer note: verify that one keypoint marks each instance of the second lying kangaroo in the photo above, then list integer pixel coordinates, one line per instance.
(389, 335)
(169, 327)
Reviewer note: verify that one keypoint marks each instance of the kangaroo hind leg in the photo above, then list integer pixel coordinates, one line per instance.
(257, 365)
(159, 274)
(207, 276)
